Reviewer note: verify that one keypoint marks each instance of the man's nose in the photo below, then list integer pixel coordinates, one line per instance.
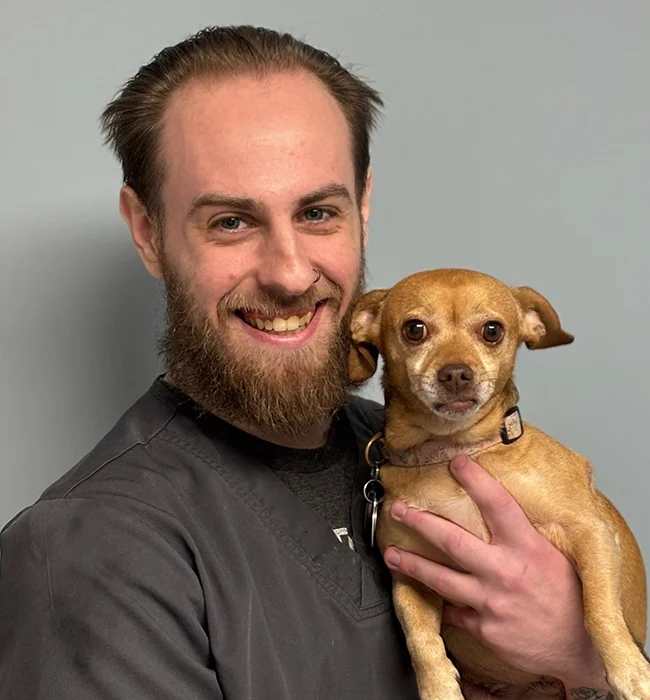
(284, 266)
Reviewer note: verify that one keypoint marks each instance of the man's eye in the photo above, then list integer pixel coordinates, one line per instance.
(227, 223)
(315, 214)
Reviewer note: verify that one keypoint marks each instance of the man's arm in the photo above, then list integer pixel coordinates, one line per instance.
(100, 601)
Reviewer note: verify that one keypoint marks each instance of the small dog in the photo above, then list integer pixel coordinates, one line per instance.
(449, 339)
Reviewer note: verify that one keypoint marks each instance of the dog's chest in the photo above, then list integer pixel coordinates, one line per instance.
(434, 489)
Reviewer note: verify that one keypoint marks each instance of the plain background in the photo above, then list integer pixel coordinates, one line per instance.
(515, 141)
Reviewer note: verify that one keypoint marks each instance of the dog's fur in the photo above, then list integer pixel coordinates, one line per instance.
(551, 483)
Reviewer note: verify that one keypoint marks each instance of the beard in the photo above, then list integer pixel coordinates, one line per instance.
(273, 390)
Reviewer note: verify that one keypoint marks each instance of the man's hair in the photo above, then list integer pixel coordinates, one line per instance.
(132, 122)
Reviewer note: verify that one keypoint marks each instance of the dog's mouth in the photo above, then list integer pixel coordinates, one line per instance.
(452, 403)
(456, 408)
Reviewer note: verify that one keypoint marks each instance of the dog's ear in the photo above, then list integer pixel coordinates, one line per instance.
(540, 324)
(365, 332)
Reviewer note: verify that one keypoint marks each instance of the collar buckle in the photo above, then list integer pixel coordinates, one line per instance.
(513, 426)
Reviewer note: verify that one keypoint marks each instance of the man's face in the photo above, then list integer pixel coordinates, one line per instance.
(259, 199)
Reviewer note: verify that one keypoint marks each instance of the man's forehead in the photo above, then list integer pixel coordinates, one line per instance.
(247, 118)
(283, 134)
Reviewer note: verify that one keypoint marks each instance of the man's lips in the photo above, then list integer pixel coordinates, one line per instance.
(285, 331)
(288, 321)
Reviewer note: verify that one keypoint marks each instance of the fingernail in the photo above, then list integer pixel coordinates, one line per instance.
(398, 510)
(392, 557)
(459, 462)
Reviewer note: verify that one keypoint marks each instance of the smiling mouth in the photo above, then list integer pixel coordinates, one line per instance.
(288, 323)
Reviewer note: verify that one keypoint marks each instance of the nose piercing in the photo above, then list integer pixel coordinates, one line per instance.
(318, 275)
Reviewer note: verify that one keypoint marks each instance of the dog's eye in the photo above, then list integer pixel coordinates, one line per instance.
(493, 332)
(415, 330)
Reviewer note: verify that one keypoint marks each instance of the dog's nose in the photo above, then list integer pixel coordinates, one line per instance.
(455, 376)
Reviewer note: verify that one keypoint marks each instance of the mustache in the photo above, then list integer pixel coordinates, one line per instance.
(269, 304)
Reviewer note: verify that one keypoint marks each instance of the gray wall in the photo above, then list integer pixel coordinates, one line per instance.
(515, 142)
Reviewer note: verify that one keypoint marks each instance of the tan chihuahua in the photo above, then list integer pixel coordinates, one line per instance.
(449, 339)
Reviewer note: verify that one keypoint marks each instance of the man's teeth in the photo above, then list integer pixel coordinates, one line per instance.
(278, 324)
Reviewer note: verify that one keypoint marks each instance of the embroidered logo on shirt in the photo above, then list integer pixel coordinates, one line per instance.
(344, 537)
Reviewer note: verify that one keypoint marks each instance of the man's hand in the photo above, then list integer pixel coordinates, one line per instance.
(524, 597)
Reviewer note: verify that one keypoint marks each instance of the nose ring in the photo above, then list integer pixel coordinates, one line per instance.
(318, 275)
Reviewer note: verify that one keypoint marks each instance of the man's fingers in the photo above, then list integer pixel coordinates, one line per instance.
(464, 618)
(468, 551)
(463, 588)
(504, 517)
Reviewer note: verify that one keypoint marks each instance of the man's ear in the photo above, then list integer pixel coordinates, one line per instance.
(365, 335)
(143, 230)
(365, 208)
(540, 325)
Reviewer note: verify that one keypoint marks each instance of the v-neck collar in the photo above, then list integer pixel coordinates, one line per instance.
(357, 580)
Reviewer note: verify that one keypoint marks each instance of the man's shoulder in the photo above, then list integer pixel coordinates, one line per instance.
(127, 470)
(138, 460)
(138, 426)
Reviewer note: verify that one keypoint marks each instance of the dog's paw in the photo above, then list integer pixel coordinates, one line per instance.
(633, 681)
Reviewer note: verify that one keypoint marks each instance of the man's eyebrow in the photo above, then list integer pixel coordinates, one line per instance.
(216, 199)
(333, 190)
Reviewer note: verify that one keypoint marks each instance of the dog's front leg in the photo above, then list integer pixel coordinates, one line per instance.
(598, 561)
(419, 611)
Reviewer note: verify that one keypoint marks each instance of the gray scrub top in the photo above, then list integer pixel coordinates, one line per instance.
(172, 564)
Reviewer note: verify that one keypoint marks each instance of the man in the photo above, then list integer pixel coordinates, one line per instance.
(191, 554)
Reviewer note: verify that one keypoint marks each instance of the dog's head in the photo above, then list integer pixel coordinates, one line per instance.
(449, 338)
